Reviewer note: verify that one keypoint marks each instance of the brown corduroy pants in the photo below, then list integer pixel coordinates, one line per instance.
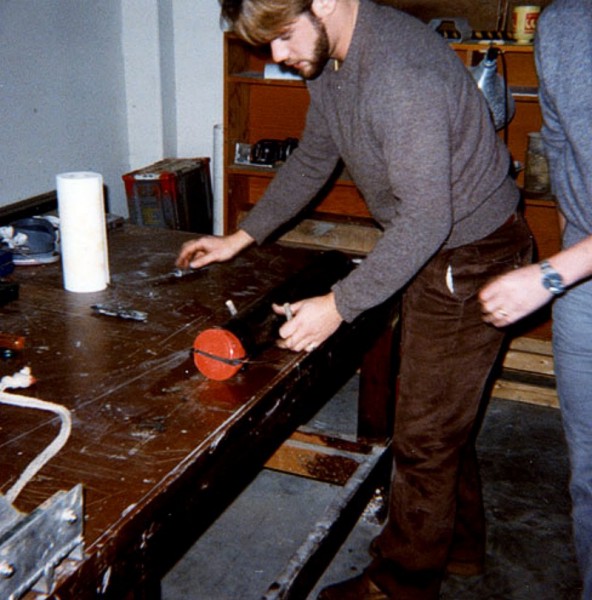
(436, 514)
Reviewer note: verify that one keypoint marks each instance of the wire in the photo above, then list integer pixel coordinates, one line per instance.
(506, 92)
(25, 402)
(230, 361)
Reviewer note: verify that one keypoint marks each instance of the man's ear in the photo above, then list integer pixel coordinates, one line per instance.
(323, 8)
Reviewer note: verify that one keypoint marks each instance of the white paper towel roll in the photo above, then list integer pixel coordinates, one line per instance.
(83, 232)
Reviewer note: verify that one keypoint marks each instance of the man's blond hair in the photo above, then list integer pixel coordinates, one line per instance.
(261, 21)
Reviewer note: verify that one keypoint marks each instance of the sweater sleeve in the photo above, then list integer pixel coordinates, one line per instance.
(297, 182)
(565, 92)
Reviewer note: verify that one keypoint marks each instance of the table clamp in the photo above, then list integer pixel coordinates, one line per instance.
(33, 545)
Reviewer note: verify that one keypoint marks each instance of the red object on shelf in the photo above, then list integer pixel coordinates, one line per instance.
(175, 193)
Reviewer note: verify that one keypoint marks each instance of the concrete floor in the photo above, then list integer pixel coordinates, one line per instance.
(525, 477)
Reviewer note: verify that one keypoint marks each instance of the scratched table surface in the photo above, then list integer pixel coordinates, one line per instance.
(153, 442)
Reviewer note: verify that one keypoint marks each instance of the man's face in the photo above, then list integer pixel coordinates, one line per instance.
(303, 45)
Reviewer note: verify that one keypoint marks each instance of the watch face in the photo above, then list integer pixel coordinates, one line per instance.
(553, 282)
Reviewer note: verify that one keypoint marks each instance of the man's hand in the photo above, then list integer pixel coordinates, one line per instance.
(313, 321)
(511, 296)
(208, 249)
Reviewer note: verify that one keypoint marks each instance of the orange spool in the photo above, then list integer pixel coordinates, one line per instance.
(218, 354)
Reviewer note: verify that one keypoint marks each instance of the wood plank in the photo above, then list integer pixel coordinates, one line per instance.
(320, 457)
(528, 344)
(348, 237)
(529, 361)
(523, 392)
(305, 436)
(528, 373)
(313, 463)
(29, 208)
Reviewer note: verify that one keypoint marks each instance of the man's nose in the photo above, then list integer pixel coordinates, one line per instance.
(279, 51)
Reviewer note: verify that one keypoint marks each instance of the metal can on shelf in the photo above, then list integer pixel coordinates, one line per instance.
(536, 175)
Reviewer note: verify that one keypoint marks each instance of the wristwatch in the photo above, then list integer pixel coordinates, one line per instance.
(551, 279)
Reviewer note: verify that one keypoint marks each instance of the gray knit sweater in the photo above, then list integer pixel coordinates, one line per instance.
(563, 52)
(415, 134)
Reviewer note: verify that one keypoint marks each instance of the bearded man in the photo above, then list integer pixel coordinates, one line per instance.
(391, 100)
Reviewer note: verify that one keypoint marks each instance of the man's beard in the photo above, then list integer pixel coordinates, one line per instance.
(321, 54)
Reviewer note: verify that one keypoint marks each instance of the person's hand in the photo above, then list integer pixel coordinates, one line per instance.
(313, 321)
(510, 297)
(209, 248)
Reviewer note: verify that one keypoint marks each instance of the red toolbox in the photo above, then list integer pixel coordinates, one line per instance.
(175, 193)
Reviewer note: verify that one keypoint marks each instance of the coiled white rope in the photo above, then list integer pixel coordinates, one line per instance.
(24, 379)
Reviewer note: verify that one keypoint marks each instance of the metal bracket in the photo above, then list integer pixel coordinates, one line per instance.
(32, 546)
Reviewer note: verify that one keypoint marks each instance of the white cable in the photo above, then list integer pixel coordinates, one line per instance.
(25, 402)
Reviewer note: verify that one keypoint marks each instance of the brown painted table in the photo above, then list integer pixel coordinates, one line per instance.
(159, 449)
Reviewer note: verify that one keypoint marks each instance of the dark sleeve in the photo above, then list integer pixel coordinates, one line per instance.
(565, 95)
(297, 182)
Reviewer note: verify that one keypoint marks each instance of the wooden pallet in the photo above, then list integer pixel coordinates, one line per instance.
(528, 373)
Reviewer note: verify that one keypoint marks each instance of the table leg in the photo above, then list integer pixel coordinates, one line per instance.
(378, 378)
(147, 589)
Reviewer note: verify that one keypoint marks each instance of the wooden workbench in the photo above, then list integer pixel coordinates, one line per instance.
(159, 449)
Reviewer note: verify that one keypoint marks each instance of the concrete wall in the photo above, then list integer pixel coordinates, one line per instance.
(107, 86)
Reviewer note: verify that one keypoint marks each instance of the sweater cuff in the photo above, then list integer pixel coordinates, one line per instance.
(347, 313)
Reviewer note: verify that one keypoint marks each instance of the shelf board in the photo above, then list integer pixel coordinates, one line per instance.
(524, 92)
(533, 199)
(257, 171)
(256, 78)
(238, 169)
(482, 45)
